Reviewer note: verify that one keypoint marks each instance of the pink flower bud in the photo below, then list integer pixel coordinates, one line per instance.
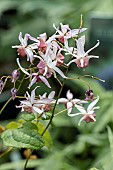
(89, 95)
(1, 85)
(13, 93)
(15, 75)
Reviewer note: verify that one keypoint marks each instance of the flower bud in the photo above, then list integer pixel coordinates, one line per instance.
(89, 95)
(13, 93)
(15, 75)
(1, 85)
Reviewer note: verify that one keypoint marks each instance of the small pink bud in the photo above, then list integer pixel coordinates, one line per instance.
(89, 95)
(1, 85)
(13, 93)
(15, 75)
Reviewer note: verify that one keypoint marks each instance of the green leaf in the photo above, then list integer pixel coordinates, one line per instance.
(24, 137)
(12, 125)
(46, 137)
(94, 169)
(28, 117)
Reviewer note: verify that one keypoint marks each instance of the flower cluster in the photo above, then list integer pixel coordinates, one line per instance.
(46, 57)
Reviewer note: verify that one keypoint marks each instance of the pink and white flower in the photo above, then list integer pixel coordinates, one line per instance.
(87, 114)
(29, 105)
(70, 102)
(36, 76)
(82, 57)
(24, 49)
(65, 32)
(37, 105)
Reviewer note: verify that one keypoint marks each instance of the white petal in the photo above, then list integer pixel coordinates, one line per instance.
(69, 106)
(91, 116)
(80, 47)
(45, 81)
(72, 61)
(69, 95)
(51, 95)
(20, 38)
(59, 72)
(30, 55)
(74, 114)
(22, 69)
(33, 81)
(92, 104)
(62, 100)
(93, 56)
(81, 120)
(81, 109)
(93, 47)
(37, 110)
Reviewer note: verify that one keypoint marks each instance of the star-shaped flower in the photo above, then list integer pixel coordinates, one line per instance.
(82, 57)
(70, 102)
(24, 49)
(87, 114)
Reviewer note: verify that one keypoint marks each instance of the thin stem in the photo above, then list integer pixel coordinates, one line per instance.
(53, 112)
(5, 105)
(28, 159)
(6, 151)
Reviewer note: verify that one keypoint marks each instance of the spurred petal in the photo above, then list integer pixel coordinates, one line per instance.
(22, 69)
(45, 81)
(33, 81)
(59, 72)
(81, 120)
(81, 109)
(92, 104)
(74, 114)
(93, 47)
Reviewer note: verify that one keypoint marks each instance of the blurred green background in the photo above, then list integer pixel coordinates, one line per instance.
(74, 148)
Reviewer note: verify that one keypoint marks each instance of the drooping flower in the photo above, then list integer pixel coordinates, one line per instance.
(36, 76)
(29, 105)
(15, 75)
(13, 93)
(37, 105)
(87, 114)
(70, 102)
(89, 95)
(82, 57)
(65, 32)
(1, 86)
(47, 67)
(24, 49)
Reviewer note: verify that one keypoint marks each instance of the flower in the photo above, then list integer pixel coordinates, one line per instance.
(87, 114)
(70, 102)
(37, 105)
(25, 49)
(82, 57)
(89, 95)
(1, 85)
(15, 75)
(47, 67)
(65, 32)
(13, 93)
(36, 76)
